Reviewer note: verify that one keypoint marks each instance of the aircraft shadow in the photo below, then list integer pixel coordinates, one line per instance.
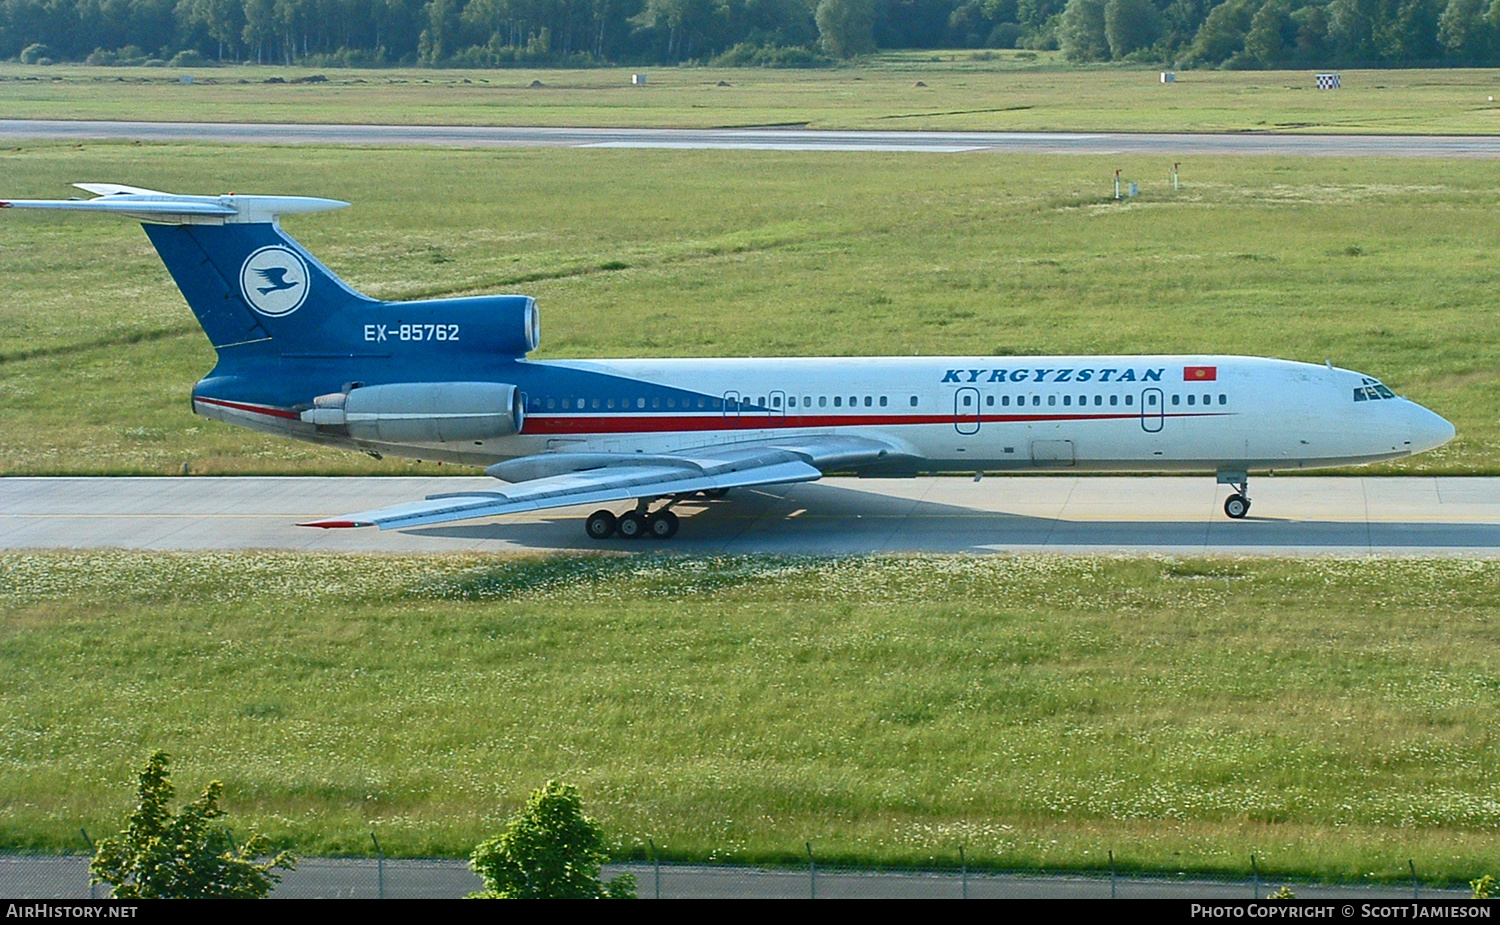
(822, 519)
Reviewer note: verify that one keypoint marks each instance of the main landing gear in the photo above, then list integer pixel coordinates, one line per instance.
(661, 524)
(1237, 505)
(644, 523)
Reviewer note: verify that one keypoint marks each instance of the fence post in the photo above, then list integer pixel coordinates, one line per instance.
(1415, 887)
(963, 866)
(812, 873)
(656, 861)
(92, 851)
(1255, 873)
(379, 868)
(1111, 873)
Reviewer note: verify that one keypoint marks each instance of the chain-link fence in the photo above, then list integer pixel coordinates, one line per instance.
(66, 877)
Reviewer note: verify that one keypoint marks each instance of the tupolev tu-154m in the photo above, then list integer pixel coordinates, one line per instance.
(302, 355)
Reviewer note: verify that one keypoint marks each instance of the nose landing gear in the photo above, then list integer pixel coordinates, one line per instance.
(1236, 505)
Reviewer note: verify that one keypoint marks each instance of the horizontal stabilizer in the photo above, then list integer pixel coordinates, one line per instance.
(168, 208)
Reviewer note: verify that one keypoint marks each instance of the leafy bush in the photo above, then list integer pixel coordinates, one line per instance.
(1485, 887)
(36, 53)
(550, 851)
(161, 855)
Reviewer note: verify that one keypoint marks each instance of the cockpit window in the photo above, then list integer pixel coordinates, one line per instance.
(1372, 390)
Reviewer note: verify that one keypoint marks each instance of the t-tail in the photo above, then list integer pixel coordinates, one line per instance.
(292, 338)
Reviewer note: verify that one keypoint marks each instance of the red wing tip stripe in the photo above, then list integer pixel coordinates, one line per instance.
(336, 524)
(253, 409)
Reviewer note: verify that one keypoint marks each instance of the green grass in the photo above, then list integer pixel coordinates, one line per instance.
(1333, 717)
(1385, 266)
(1020, 91)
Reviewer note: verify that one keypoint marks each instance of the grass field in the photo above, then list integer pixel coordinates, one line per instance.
(1384, 266)
(1333, 717)
(1021, 91)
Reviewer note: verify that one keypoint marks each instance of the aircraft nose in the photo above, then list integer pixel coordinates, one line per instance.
(1428, 430)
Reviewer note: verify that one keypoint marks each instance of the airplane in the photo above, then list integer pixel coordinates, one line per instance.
(302, 355)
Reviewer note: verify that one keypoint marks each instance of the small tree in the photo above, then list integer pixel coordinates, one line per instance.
(161, 855)
(550, 851)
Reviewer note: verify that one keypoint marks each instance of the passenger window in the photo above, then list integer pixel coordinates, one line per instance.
(1005, 400)
(775, 401)
(914, 401)
(1192, 399)
(551, 403)
(671, 403)
(968, 401)
(1130, 399)
(853, 400)
(882, 401)
(1098, 400)
(610, 403)
(838, 401)
(869, 401)
(640, 402)
(655, 403)
(1223, 399)
(1114, 400)
(822, 401)
(596, 404)
(1176, 399)
(1068, 400)
(1036, 400)
(989, 401)
(807, 401)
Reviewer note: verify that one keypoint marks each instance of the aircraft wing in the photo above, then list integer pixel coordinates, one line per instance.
(565, 479)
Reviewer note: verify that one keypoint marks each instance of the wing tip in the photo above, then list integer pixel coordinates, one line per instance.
(337, 524)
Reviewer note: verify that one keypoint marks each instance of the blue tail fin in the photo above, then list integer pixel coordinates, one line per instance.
(251, 285)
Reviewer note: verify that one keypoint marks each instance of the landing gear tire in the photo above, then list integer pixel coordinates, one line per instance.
(601, 525)
(662, 525)
(1237, 506)
(631, 525)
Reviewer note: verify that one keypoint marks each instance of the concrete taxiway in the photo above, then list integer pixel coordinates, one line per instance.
(762, 139)
(1294, 516)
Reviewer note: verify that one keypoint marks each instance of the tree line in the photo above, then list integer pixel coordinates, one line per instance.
(787, 33)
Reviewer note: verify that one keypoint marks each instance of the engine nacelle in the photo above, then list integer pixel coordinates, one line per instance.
(492, 325)
(423, 412)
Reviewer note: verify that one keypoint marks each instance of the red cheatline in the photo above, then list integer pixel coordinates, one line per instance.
(1200, 373)
(336, 524)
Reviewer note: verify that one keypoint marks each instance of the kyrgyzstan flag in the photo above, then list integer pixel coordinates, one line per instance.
(1200, 373)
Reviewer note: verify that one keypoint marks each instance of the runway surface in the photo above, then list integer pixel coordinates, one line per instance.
(769, 139)
(1293, 516)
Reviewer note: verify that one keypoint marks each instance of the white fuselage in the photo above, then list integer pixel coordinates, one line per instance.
(1142, 413)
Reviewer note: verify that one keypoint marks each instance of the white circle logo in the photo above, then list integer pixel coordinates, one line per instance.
(274, 280)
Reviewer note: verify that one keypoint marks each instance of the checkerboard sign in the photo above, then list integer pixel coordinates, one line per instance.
(1328, 81)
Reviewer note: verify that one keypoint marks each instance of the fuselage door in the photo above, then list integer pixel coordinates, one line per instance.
(732, 408)
(777, 410)
(1153, 410)
(966, 411)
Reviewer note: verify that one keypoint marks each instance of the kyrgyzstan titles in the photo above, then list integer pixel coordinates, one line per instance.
(1105, 374)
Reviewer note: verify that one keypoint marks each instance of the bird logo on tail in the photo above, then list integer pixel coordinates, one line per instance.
(273, 280)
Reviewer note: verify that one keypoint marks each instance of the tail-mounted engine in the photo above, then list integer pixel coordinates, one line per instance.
(422, 412)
